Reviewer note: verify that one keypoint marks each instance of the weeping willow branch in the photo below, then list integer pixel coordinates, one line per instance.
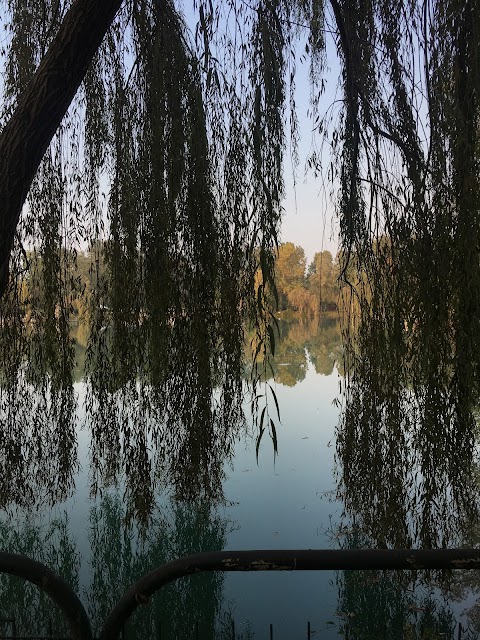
(190, 138)
(41, 108)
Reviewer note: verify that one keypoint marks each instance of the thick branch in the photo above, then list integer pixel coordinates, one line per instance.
(40, 110)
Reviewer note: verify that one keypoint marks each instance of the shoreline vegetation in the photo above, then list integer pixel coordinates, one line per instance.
(309, 295)
(305, 291)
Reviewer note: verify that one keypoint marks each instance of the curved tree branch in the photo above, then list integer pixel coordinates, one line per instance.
(40, 110)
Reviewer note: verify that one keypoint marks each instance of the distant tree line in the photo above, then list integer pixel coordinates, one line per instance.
(306, 290)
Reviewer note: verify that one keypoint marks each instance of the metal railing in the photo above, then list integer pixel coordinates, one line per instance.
(269, 631)
(261, 560)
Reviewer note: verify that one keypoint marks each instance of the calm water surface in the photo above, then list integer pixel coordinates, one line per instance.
(290, 501)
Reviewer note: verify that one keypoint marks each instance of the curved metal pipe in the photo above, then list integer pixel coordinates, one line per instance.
(283, 560)
(54, 586)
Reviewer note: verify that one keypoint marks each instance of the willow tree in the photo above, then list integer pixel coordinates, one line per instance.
(186, 132)
(192, 166)
(410, 218)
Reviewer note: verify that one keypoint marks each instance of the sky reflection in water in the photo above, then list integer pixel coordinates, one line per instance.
(292, 501)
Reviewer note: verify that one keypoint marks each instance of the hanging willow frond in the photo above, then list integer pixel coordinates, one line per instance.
(184, 133)
(409, 200)
(192, 213)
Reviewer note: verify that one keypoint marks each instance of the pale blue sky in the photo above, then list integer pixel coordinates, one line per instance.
(309, 219)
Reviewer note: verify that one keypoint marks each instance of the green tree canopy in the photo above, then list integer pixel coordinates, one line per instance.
(290, 268)
(322, 280)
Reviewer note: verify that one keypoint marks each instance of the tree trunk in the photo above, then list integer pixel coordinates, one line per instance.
(40, 110)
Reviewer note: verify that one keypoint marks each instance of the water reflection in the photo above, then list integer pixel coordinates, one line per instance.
(407, 468)
(305, 341)
(54, 545)
(406, 472)
(371, 605)
(404, 481)
(375, 605)
(132, 436)
(135, 437)
(120, 555)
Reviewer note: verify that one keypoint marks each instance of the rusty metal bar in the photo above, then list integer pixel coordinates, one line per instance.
(54, 586)
(283, 560)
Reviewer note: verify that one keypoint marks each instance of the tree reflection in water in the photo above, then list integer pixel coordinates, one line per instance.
(159, 428)
(406, 458)
(302, 342)
(135, 436)
(120, 555)
(405, 465)
(54, 545)
(407, 474)
(376, 605)
(371, 605)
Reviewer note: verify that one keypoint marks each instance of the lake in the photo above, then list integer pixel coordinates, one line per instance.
(301, 498)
